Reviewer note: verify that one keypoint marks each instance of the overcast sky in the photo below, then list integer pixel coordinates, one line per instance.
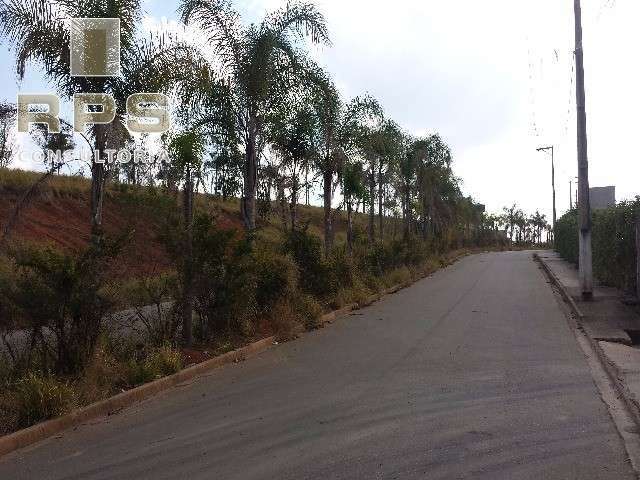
(493, 77)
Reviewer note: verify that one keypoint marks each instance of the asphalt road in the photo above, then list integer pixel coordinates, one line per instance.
(471, 373)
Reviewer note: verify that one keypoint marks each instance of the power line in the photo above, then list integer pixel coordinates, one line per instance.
(603, 6)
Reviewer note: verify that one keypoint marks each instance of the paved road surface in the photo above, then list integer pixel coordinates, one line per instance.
(472, 373)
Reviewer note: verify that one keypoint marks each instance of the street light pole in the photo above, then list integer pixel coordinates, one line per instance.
(570, 194)
(553, 187)
(585, 260)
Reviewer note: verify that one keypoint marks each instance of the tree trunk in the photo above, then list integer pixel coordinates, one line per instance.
(327, 181)
(281, 201)
(395, 226)
(407, 212)
(349, 227)
(248, 202)
(380, 202)
(372, 203)
(187, 294)
(293, 206)
(306, 184)
(98, 178)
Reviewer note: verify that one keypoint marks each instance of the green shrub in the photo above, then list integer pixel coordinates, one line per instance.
(377, 258)
(613, 243)
(286, 323)
(63, 294)
(276, 278)
(383, 257)
(315, 273)
(38, 397)
(309, 311)
(105, 374)
(164, 361)
(397, 276)
(357, 293)
(566, 236)
(224, 279)
(159, 363)
(148, 297)
(344, 269)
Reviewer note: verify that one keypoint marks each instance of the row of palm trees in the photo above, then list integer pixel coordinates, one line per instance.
(254, 116)
(521, 228)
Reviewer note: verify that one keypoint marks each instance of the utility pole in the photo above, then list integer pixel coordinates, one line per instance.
(585, 265)
(553, 186)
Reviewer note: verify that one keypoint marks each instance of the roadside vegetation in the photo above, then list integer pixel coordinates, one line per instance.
(613, 243)
(260, 133)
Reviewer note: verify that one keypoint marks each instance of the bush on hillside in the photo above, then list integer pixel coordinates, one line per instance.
(154, 315)
(61, 299)
(317, 277)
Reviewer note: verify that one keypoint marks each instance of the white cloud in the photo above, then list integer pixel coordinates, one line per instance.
(495, 79)
(482, 73)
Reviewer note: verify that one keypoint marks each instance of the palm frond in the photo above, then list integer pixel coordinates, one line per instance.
(302, 19)
(37, 29)
(221, 23)
(129, 12)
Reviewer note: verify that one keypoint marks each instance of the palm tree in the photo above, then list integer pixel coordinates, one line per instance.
(360, 136)
(256, 63)
(329, 110)
(390, 149)
(437, 189)
(406, 182)
(7, 119)
(520, 222)
(510, 219)
(38, 31)
(353, 189)
(187, 149)
(293, 136)
(538, 222)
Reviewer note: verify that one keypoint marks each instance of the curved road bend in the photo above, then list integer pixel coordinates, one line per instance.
(471, 373)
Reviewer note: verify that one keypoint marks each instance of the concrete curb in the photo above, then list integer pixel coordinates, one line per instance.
(108, 406)
(41, 431)
(611, 369)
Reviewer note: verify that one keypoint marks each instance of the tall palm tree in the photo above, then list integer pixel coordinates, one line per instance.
(360, 135)
(39, 32)
(390, 148)
(187, 149)
(329, 110)
(354, 189)
(256, 63)
(405, 184)
(293, 135)
(538, 222)
(510, 219)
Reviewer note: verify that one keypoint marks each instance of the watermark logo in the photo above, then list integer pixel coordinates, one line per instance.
(95, 52)
(109, 156)
(95, 47)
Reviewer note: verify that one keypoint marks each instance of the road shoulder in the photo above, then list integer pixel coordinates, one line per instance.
(601, 329)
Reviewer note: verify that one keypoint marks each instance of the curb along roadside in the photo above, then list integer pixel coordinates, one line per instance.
(612, 371)
(41, 431)
(108, 406)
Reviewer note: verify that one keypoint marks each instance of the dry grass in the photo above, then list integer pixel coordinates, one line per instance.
(287, 324)
(19, 181)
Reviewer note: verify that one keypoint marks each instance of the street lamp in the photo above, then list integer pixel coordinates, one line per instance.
(553, 187)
